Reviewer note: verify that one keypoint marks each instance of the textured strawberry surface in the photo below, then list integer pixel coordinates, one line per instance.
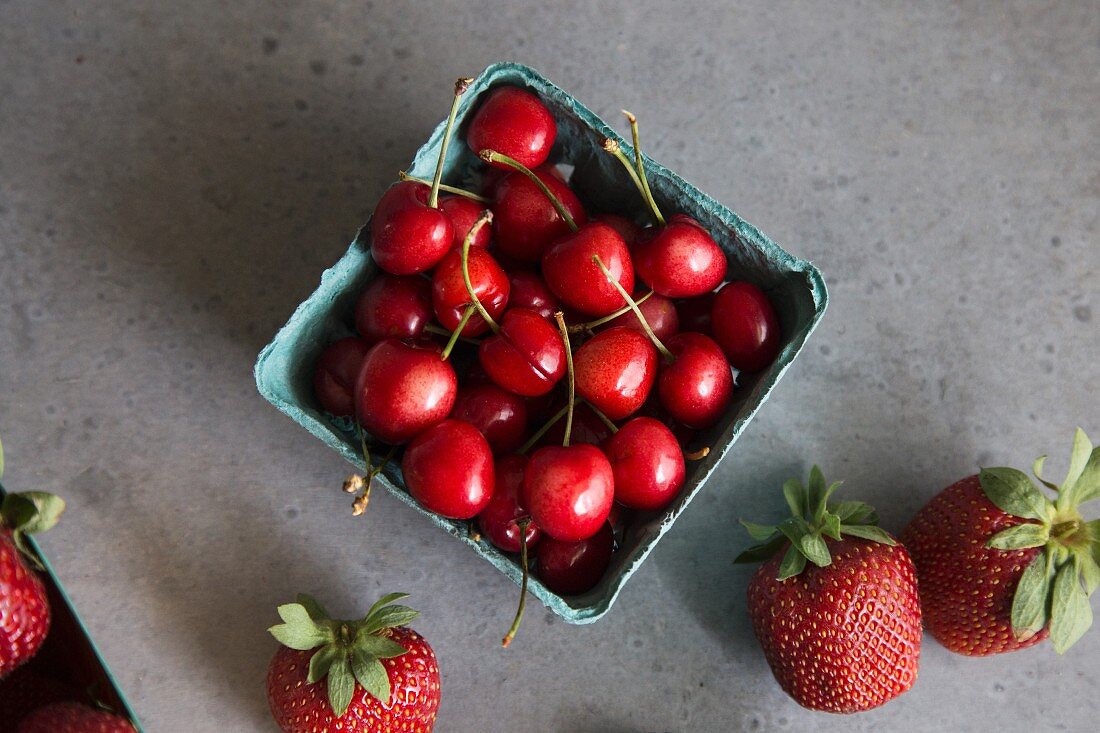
(24, 610)
(72, 717)
(967, 588)
(301, 707)
(842, 638)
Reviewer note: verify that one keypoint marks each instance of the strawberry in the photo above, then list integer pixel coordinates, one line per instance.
(26, 690)
(1001, 565)
(382, 675)
(73, 717)
(841, 634)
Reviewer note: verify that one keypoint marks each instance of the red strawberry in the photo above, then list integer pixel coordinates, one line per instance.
(1001, 566)
(26, 690)
(73, 717)
(843, 633)
(381, 675)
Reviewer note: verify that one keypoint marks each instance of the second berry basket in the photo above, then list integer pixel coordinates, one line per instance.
(794, 286)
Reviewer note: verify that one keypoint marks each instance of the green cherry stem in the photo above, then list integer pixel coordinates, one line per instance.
(469, 312)
(581, 327)
(404, 176)
(640, 166)
(542, 431)
(460, 88)
(491, 156)
(634, 307)
(486, 217)
(438, 331)
(560, 318)
(523, 523)
(606, 420)
(612, 146)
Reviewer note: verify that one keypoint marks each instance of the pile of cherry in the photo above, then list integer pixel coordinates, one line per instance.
(599, 347)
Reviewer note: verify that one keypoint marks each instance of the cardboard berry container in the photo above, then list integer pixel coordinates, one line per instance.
(69, 657)
(795, 287)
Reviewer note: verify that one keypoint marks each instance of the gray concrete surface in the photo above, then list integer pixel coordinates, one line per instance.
(175, 176)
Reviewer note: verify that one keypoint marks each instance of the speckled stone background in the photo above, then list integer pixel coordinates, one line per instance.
(175, 176)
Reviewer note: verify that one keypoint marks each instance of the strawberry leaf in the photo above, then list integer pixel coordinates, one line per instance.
(341, 685)
(1070, 613)
(815, 496)
(385, 601)
(299, 630)
(1011, 491)
(1087, 486)
(378, 647)
(868, 532)
(31, 512)
(855, 512)
(814, 548)
(830, 526)
(759, 532)
(1078, 458)
(321, 662)
(1088, 570)
(795, 495)
(761, 552)
(389, 617)
(370, 673)
(315, 610)
(1020, 537)
(1031, 602)
(1037, 469)
(794, 562)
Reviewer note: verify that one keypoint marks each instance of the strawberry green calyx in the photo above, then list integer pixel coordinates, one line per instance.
(813, 518)
(347, 651)
(1055, 588)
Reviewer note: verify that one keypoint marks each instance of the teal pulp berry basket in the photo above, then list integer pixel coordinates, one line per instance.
(285, 366)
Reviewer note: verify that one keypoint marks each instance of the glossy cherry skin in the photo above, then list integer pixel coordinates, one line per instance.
(680, 259)
(695, 313)
(588, 429)
(393, 306)
(569, 490)
(450, 297)
(497, 521)
(571, 568)
(403, 389)
(335, 374)
(648, 464)
(515, 122)
(464, 213)
(500, 415)
(577, 280)
(529, 290)
(659, 312)
(448, 468)
(745, 325)
(627, 229)
(527, 355)
(407, 235)
(615, 371)
(696, 388)
(524, 220)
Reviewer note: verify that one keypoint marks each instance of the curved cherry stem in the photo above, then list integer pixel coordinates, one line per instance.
(640, 167)
(460, 88)
(542, 431)
(612, 146)
(606, 420)
(697, 455)
(634, 307)
(467, 314)
(364, 449)
(560, 318)
(522, 524)
(581, 327)
(486, 217)
(439, 331)
(404, 176)
(492, 156)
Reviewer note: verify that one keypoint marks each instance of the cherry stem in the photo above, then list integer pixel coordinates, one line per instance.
(697, 455)
(578, 328)
(633, 306)
(364, 449)
(606, 420)
(438, 331)
(491, 156)
(613, 147)
(647, 193)
(404, 176)
(469, 312)
(560, 318)
(460, 87)
(486, 217)
(522, 524)
(542, 431)
(378, 469)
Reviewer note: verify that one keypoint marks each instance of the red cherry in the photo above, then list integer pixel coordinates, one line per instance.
(696, 387)
(627, 229)
(448, 468)
(393, 306)
(335, 374)
(529, 290)
(407, 235)
(615, 371)
(526, 356)
(402, 389)
(679, 259)
(501, 416)
(745, 325)
(525, 221)
(572, 274)
(450, 299)
(648, 464)
(515, 122)
(497, 520)
(587, 428)
(571, 568)
(569, 490)
(463, 213)
(658, 310)
(695, 313)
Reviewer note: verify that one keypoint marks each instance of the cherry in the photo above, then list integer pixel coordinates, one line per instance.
(501, 416)
(679, 259)
(697, 386)
(588, 428)
(648, 464)
(529, 290)
(569, 490)
(695, 313)
(451, 298)
(526, 355)
(463, 212)
(570, 568)
(616, 370)
(393, 306)
(659, 312)
(627, 229)
(335, 374)
(745, 325)
(448, 468)
(573, 276)
(402, 389)
(498, 521)
(526, 221)
(515, 122)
